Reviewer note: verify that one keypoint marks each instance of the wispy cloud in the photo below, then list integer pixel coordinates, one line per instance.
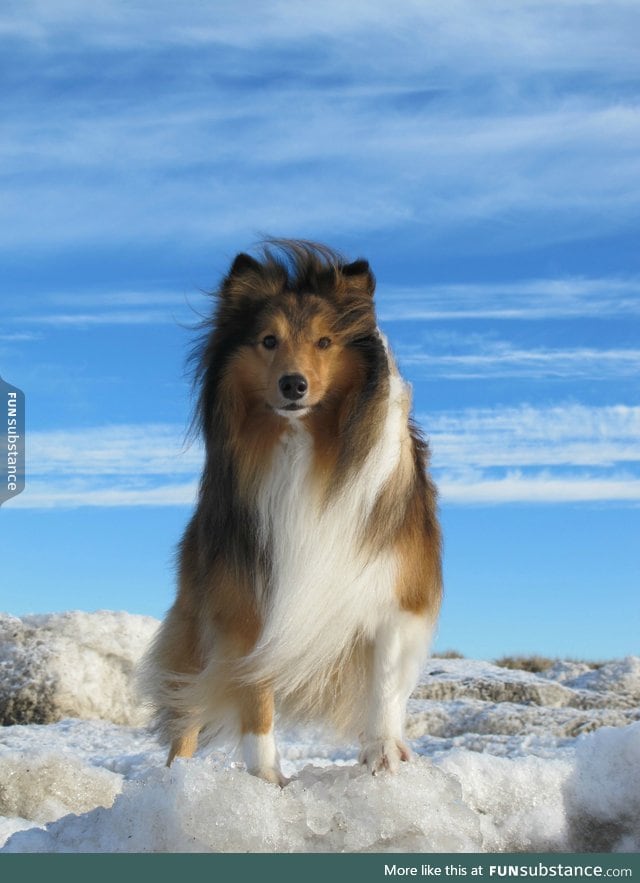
(110, 307)
(562, 454)
(542, 488)
(114, 465)
(111, 317)
(110, 298)
(53, 495)
(19, 336)
(570, 435)
(568, 453)
(107, 451)
(551, 35)
(533, 299)
(90, 308)
(503, 359)
(524, 299)
(489, 115)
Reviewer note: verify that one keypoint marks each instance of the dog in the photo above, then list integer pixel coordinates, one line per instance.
(310, 573)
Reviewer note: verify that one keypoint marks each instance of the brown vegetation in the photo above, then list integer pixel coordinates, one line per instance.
(538, 663)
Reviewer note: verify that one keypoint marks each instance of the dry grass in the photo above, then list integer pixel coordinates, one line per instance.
(534, 664)
(537, 664)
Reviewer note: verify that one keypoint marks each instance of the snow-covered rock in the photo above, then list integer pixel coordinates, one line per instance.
(506, 760)
(71, 665)
(602, 793)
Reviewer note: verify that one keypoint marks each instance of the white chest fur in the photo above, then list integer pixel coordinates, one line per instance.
(324, 590)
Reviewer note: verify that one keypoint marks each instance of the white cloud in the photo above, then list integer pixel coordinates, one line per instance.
(550, 34)
(569, 297)
(336, 145)
(562, 454)
(571, 435)
(110, 298)
(55, 495)
(112, 317)
(540, 489)
(19, 336)
(570, 453)
(115, 465)
(530, 299)
(122, 450)
(111, 307)
(501, 359)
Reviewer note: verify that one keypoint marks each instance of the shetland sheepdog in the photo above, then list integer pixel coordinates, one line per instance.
(310, 574)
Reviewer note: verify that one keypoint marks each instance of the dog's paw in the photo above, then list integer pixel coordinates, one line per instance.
(384, 754)
(273, 775)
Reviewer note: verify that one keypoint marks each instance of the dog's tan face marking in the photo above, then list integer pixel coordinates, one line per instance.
(297, 354)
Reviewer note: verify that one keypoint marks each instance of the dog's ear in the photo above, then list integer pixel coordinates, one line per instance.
(243, 279)
(244, 263)
(358, 277)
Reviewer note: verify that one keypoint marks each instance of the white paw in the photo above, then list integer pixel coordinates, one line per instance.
(384, 754)
(273, 775)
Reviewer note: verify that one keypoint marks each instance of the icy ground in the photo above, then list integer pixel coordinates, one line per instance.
(506, 761)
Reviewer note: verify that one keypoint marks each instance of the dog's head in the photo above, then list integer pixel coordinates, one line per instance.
(294, 325)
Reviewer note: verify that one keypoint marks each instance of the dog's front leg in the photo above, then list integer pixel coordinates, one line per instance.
(399, 648)
(258, 741)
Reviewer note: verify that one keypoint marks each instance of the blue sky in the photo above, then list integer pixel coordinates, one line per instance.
(484, 157)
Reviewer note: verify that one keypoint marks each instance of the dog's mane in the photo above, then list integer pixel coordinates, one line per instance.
(303, 268)
(300, 262)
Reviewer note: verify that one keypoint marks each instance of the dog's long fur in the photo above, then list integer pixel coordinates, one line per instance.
(310, 572)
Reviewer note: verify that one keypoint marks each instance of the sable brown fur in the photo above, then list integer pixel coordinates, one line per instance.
(300, 293)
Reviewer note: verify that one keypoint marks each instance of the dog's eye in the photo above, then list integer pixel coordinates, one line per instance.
(269, 342)
(323, 343)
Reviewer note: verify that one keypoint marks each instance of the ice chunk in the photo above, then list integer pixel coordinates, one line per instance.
(47, 786)
(518, 800)
(195, 807)
(602, 795)
(621, 676)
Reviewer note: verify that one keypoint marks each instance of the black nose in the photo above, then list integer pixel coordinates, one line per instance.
(293, 386)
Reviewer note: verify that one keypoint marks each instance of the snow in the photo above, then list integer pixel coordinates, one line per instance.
(71, 664)
(506, 761)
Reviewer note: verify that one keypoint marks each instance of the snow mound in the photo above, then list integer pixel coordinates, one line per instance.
(508, 761)
(603, 792)
(71, 665)
(621, 676)
(83, 665)
(481, 706)
(519, 802)
(195, 807)
(446, 679)
(47, 786)
(587, 800)
(565, 670)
